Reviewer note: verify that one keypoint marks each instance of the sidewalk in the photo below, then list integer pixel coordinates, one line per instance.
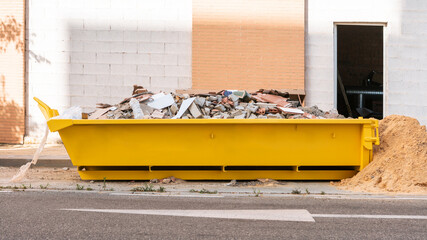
(54, 169)
(53, 155)
(59, 179)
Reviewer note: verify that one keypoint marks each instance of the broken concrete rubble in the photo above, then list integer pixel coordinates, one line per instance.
(200, 101)
(157, 114)
(194, 110)
(227, 104)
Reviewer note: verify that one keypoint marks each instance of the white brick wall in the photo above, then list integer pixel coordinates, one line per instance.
(84, 52)
(405, 71)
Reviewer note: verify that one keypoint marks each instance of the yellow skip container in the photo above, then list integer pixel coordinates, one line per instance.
(207, 149)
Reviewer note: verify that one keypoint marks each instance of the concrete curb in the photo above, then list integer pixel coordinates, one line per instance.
(59, 161)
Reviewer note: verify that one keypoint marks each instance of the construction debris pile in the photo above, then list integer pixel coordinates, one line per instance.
(226, 104)
(259, 182)
(400, 161)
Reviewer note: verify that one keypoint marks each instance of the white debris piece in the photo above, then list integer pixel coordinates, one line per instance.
(137, 111)
(291, 110)
(184, 106)
(71, 113)
(161, 100)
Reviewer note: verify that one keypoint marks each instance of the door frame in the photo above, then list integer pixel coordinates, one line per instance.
(385, 73)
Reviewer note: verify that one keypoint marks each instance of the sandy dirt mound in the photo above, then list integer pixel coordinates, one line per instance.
(400, 161)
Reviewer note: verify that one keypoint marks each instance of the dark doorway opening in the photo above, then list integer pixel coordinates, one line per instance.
(360, 70)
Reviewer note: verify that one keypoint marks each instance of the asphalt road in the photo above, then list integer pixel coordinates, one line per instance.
(41, 215)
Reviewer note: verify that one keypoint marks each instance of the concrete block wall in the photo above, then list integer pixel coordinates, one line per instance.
(407, 63)
(84, 52)
(405, 51)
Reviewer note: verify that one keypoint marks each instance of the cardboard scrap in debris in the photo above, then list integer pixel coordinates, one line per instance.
(144, 97)
(138, 89)
(280, 101)
(98, 113)
(125, 107)
(103, 105)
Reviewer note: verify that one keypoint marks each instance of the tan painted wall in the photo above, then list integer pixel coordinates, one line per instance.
(12, 91)
(240, 44)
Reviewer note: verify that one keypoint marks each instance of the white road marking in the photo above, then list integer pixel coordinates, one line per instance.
(295, 215)
(168, 195)
(369, 216)
(370, 198)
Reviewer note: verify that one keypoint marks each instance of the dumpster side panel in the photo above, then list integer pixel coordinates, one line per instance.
(214, 144)
(217, 175)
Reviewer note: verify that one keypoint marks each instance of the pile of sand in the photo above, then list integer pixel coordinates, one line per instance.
(400, 161)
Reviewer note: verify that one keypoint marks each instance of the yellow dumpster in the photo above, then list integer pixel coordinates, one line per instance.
(220, 149)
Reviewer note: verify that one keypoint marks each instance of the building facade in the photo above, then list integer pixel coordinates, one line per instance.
(83, 52)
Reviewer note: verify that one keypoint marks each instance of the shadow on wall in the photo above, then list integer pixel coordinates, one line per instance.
(11, 118)
(10, 32)
(12, 125)
(105, 64)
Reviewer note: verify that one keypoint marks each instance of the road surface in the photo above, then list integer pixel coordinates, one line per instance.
(106, 215)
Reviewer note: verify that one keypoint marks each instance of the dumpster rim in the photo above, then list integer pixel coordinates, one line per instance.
(58, 124)
(216, 121)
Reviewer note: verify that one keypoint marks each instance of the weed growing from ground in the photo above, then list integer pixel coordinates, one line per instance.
(204, 191)
(296, 191)
(104, 186)
(25, 187)
(148, 188)
(257, 192)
